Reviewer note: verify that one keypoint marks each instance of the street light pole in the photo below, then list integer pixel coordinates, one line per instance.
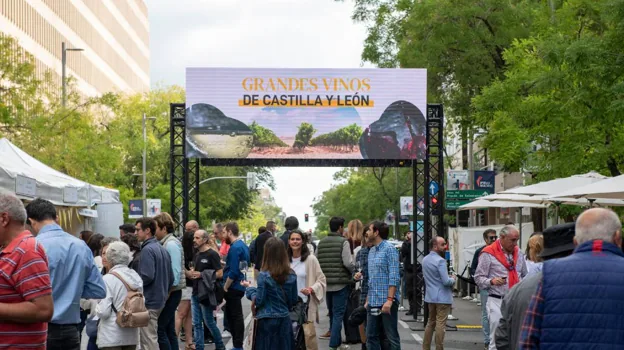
(63, 71)
(63, 74)
(145, 163)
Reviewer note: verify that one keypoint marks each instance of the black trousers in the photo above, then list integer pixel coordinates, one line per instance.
(63, 337)
(414, 292)
(234, 315)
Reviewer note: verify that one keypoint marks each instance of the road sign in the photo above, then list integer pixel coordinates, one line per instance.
(465, 194)
(433, 188)
(453, 204)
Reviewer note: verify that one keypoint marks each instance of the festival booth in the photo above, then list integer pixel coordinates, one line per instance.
(29, 178)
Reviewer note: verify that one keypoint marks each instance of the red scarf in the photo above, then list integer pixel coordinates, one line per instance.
(496, 250)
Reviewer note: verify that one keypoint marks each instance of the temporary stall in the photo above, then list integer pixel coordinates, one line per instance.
(29, 178)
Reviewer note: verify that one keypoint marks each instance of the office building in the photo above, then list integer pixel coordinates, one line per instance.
(113, 36)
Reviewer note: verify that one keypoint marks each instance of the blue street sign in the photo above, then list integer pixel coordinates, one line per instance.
(433, 188)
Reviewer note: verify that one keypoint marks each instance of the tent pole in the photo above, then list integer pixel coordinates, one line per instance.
(520, 238)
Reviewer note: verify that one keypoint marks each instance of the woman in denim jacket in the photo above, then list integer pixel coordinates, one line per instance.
(273, 298)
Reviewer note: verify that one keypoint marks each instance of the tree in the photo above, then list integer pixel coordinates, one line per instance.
(558, 110)
(99, 140)
(348, 137)
(365, 194)
(460, 43)
(304, 135)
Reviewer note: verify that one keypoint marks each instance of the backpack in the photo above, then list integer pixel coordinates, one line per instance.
(133, 313)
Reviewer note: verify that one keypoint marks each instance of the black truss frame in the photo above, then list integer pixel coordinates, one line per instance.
(185, 178)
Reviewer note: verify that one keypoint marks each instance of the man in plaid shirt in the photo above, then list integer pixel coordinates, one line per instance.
(579, 300)
(382, 305)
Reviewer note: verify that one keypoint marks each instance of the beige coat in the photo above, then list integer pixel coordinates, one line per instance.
(315, 279)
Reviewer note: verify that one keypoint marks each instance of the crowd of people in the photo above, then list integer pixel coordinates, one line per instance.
(564, 292)
(148, 289)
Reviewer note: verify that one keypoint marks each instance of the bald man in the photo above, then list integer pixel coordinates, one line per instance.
(579, 300)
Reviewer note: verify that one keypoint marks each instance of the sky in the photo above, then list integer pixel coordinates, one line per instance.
(258, 34)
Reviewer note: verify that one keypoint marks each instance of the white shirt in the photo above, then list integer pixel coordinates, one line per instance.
(299, 267)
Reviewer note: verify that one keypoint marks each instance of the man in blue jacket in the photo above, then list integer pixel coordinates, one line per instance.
(157, 275)
(233, 289)
(438, 292)
(578, 303)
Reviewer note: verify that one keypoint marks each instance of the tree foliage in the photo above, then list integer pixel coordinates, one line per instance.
(541, 79)
(99, 140)
(304, 135)
(559, 108)
(366, 194)
(263, 137)
(346, 137)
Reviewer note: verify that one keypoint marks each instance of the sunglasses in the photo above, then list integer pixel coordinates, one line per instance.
(492, 238)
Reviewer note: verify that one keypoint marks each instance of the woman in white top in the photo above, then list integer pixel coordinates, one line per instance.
(110, 335)
(311, 281)
(534, 248)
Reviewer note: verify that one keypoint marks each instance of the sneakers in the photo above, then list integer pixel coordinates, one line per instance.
(326, 335)
(341, 347)
(226, 334)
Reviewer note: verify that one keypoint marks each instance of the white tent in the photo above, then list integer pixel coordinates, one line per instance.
(609, 188)
(556, 186)
(483, 203)
(30, 178)
(554, 199)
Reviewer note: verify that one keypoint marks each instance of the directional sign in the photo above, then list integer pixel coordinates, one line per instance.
(453, 204)
(465, 194)
(433, 188)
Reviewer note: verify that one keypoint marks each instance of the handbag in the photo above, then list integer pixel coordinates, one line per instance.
(309, 330)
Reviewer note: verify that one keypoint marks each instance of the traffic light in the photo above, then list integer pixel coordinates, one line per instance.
(307, 217)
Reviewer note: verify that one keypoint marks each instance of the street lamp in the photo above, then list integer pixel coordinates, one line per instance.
(145, 118)
(64, 63)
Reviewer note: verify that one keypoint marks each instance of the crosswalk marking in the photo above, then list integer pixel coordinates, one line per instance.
(403, 324)
(417, 337)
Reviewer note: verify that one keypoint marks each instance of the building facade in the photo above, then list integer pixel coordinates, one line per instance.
(113, 36)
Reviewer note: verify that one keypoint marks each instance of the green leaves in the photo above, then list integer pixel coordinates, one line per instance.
(100, 140)
(304, 135)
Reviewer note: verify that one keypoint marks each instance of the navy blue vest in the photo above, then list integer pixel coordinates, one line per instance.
(584, 299)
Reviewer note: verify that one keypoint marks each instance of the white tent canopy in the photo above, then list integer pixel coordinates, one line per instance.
(556, 186)
(483, 203)
(30, 178)
(555, 199)
(609, 188)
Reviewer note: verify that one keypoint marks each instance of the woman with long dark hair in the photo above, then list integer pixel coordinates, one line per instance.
(273, 298)
(311, 282)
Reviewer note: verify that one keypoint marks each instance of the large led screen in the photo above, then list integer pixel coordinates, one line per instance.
(238, 113)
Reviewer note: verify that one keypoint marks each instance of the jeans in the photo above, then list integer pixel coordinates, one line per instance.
(63, 337)
(167, 339)
(388, 323)
(337, 305)
(485, 320)
(203, 314)
(92, 344)
(234, 315)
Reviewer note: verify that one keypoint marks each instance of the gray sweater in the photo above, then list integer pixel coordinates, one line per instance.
(513, 308)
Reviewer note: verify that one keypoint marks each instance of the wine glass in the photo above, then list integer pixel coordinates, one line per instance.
(243, 268)
(358, 266)
(191, 266)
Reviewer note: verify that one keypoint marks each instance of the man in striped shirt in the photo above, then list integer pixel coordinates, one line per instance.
(25, 290)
